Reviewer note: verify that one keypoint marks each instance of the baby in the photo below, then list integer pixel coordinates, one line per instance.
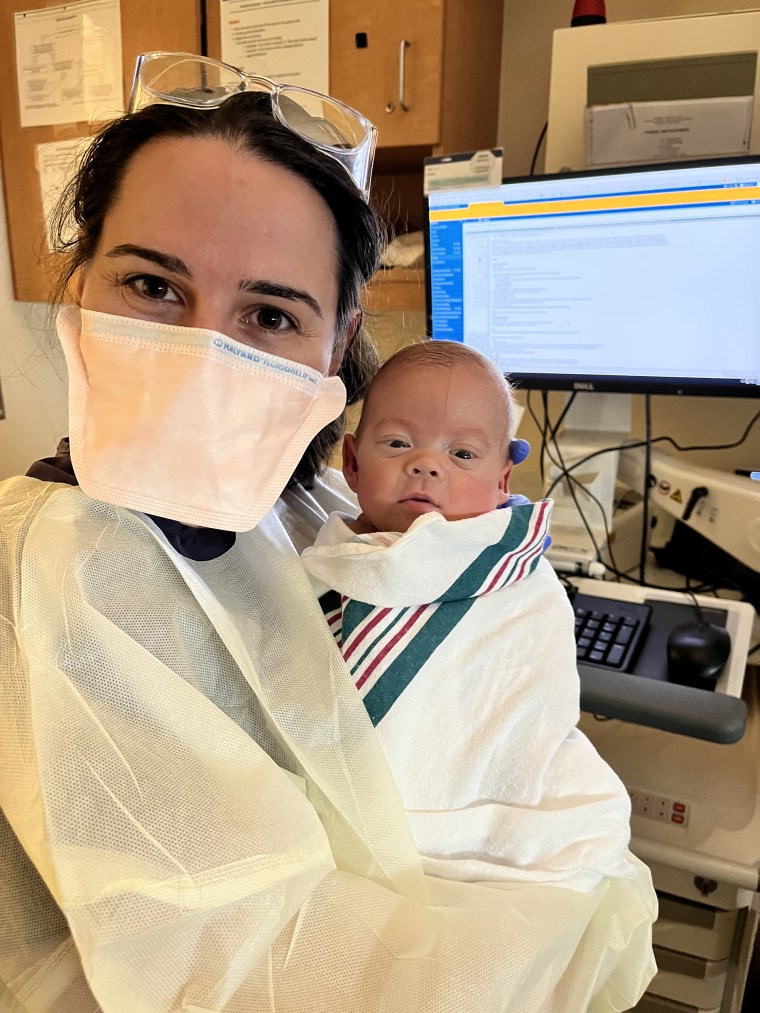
(459, 636)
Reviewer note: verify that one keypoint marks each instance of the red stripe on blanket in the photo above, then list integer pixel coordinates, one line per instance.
(390, 645)
(529, 554)
(380, 614)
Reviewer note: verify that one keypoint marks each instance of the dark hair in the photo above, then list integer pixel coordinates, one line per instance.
(244, 121)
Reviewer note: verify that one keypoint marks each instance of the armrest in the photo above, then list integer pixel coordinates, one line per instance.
(699, 713)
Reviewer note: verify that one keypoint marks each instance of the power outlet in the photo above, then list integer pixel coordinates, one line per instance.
(658, 807)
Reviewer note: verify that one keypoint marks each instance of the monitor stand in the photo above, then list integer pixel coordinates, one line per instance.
(593, 422)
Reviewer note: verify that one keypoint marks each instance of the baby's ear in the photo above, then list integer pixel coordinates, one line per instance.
(504, 483)
(350, 464)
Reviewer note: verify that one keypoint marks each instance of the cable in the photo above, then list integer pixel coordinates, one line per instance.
(551, 429)
(542, 430)
(700, 614)
(549, 432)
(611, 566)
(645, 492)
(570, 401)
(648, 584)
(536, 150)
(633, 444)
(545, 426)
(720, 581)
(715, 446)
(559, 462)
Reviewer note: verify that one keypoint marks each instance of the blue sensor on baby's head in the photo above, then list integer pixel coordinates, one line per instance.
(755, 475)
(518, 450)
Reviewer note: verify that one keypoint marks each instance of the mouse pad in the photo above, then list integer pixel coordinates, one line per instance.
(652, 662)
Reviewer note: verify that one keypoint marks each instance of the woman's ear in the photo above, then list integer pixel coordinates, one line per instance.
(341, 347)
(350, 464)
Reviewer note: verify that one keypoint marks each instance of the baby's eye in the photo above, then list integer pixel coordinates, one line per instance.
(464, 455)
(396, 444)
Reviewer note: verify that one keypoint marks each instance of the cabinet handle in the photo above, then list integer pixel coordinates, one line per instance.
(391, 106)
(402, 74)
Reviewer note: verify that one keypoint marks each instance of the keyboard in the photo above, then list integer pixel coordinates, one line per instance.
(609, 633)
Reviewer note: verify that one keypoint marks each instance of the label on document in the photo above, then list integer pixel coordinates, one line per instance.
(641, 132)
(463, 170)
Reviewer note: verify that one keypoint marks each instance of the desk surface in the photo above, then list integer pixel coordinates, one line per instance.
(717, 715)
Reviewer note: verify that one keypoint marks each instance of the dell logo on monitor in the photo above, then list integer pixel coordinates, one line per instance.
(578, 385)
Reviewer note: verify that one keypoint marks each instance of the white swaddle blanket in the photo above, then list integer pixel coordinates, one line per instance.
(460, 639)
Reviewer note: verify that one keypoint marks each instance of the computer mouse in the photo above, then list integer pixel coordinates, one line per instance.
(697, 652)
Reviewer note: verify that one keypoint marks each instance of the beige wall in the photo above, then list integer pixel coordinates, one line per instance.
(32, 373)
(526, 63)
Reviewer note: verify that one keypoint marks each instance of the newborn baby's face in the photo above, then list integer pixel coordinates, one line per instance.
(432, 438)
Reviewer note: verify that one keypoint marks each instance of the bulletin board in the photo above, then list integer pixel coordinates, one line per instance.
(146, 25)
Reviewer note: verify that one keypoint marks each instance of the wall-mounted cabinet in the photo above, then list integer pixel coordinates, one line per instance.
(386, 60)
(426, 72)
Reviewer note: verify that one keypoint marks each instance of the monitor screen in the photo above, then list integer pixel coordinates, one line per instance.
(644, 279)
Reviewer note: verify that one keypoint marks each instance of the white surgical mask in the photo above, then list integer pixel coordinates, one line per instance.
(186, 423)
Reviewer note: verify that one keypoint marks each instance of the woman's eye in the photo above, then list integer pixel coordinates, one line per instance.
(464, 455)
(149, 286)
(269, 318)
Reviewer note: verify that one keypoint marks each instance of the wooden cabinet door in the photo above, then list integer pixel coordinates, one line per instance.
(365, 65)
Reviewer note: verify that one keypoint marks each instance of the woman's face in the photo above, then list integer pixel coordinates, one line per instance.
(204, 235)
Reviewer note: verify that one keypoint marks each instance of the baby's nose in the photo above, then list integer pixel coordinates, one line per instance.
(425, 466)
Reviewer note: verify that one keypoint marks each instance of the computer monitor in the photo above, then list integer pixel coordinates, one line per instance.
(638, 280)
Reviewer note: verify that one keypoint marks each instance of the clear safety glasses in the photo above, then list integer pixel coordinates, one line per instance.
(198, 82)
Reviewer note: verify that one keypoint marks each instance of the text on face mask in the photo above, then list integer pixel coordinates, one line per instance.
(251, 356)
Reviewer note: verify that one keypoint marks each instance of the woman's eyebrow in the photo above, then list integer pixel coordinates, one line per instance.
(165, 260)
(259, 287)
(177, 266)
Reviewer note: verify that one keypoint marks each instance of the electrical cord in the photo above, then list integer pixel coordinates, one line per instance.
(645, 491)
(545, 427)
(648, 584)
(549, 433)
(697, 607)
(537, 148)
(633, 444)
(572, 482)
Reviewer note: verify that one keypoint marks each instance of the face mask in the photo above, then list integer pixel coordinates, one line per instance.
(186, 423)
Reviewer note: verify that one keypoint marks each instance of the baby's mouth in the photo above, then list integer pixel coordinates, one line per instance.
(419, 497)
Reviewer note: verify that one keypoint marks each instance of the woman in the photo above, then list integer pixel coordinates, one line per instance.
(197, 813)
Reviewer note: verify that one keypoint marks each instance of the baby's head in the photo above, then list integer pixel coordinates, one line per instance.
(434, 435)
